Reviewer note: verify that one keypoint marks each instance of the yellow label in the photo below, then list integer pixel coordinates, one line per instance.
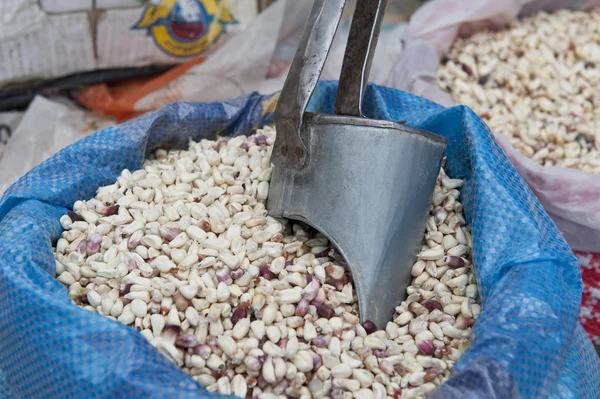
(185, 28)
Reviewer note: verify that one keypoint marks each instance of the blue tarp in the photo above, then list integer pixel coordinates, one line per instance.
(526, 343)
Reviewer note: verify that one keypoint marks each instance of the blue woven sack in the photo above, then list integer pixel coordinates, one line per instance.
(526, 343)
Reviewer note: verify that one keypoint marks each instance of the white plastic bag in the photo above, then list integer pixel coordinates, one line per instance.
(44, 39)
(45, 128)
(571, 197)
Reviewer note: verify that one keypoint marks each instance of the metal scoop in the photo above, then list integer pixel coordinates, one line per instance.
(364, 184)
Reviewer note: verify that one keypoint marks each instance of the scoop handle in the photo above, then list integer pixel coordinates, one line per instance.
(362, 41)
(302, 80)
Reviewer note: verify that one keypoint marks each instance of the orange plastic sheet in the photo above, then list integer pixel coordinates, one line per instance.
(119, 100)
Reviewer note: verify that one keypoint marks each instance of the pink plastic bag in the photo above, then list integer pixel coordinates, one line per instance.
(571, 197)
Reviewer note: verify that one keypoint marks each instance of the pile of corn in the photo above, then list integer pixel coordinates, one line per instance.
(535, 82)
(183, 251)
